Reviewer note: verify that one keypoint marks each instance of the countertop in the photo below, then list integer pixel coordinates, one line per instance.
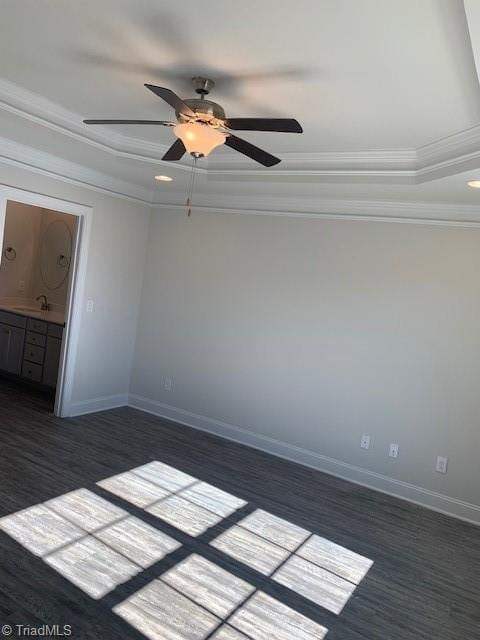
(56, 317)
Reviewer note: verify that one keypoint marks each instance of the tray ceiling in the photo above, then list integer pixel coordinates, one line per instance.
(387, 92)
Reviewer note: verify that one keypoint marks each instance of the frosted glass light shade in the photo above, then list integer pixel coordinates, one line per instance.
(199, 138)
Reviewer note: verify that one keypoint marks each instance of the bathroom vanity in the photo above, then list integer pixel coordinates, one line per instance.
(30, 345)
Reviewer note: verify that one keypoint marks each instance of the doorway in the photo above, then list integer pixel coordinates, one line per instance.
(43, 263)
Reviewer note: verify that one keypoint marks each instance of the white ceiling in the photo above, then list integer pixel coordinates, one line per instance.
(387, 90)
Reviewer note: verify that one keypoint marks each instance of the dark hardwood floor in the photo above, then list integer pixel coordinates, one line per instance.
(424, 584)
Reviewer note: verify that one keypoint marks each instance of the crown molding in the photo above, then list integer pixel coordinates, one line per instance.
(37, 109)
(429, 213)
(312, 175)
(452, 146)
(394, 159)
(18, 155)
(451, 154)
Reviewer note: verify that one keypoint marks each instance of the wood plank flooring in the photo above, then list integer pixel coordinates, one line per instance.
(424, 583)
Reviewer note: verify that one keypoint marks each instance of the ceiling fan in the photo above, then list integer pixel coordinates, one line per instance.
(202, 125)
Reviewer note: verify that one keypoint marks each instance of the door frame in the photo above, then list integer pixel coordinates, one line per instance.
(76, 290)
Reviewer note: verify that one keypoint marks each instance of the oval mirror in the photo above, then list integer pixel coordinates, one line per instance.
(55, 254)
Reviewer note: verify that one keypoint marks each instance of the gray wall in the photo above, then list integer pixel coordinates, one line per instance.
(297, 335)
(115, 272)
(312, 332)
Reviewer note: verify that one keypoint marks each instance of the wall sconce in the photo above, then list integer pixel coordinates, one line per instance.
(9, 253)
(63, 261)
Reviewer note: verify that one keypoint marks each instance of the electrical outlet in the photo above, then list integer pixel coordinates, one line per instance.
(442, 464)
(365, 442)
(393, 450)
(89, 306)
(21, 286)
(168, 384)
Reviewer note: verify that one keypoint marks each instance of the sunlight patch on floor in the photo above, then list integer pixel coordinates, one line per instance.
(99, 546)
(312, 566)
(197, 598)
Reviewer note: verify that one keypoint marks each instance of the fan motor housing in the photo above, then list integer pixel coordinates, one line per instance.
(202, 107)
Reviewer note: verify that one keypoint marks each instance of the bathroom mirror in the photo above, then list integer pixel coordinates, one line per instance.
(55, 254)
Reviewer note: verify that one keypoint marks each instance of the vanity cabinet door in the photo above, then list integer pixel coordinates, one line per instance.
(52, 359)
(11, 348)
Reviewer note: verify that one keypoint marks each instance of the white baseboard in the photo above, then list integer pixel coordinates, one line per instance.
(397, 488)
(97, 404)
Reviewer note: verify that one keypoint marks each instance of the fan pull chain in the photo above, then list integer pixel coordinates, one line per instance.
(191, 186)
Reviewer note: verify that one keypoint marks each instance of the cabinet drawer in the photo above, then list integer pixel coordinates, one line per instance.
(13, 320)
(37, 325)
(32, 371)
(36, 338)
(33, 353)
(55, 330)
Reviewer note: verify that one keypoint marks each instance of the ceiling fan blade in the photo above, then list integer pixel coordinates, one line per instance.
(164, 123)
(172, 99)
(286, 125)
(176, 151)
(250, 150)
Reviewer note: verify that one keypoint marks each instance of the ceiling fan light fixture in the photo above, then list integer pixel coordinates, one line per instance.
(475, 184)
(202, 126)
(199, 139)
(163, 178)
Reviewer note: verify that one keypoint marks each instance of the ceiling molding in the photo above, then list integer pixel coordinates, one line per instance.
(347, 210)
(446, 156)
(446, 168)
(313, 175)
(363, 160)
(43, 112)
(452, 146)
(15, 154)
(373, 210)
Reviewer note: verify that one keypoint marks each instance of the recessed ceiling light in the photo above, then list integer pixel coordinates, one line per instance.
(168, 179)
(475, 184)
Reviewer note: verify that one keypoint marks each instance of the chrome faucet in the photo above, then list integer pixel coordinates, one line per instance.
(45, 305)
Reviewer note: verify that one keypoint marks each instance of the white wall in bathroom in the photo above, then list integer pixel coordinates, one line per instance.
(55, 296)
(22, 232)
(21, 278)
